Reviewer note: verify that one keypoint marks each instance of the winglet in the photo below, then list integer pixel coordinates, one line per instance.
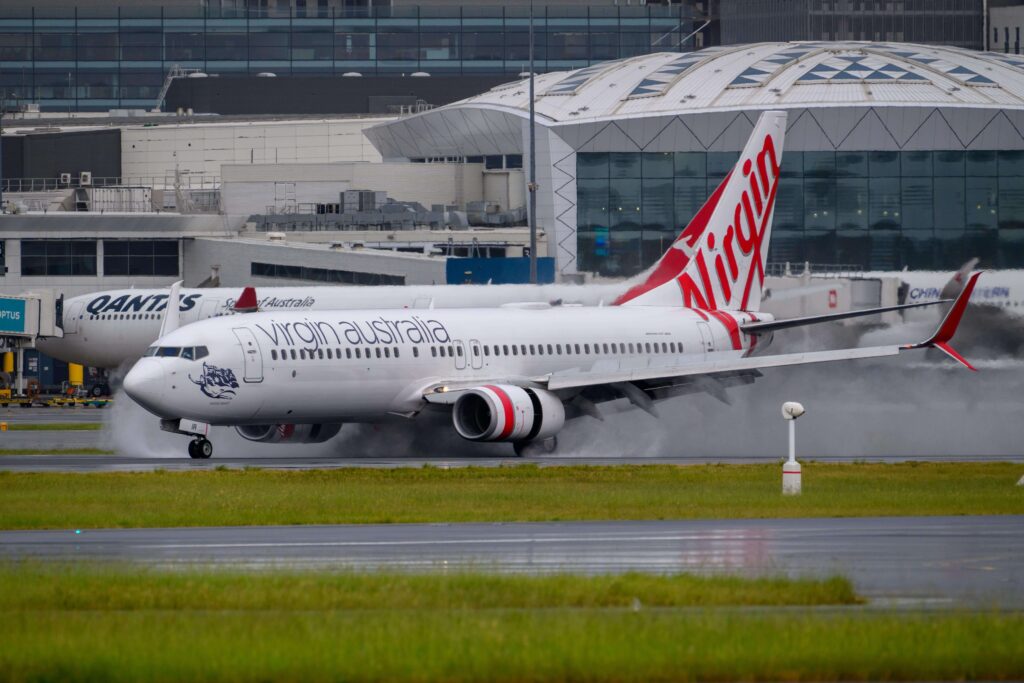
(247, 301)
(949, 325)
(172, 312)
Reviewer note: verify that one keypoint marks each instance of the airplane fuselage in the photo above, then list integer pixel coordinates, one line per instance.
(367, 365)
(110, 328)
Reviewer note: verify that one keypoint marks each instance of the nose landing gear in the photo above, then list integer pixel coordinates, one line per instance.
(200, 448)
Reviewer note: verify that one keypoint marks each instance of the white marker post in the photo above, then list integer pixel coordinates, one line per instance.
(791, 410)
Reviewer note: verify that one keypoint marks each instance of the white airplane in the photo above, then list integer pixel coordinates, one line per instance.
(107, 329)
(507, 375)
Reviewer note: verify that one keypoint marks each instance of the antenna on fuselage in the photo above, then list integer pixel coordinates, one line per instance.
(172, 314)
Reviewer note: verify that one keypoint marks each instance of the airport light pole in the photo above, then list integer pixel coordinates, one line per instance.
(532, 184)
(791, 474)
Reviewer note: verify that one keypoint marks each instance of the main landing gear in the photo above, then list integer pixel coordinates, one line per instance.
(200, 448)
(541, 447)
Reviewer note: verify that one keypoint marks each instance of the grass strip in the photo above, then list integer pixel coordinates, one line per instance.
(35, 586)
(55, 427)
(116, 622)
(520, 493)
(55, 451)
(556, 644)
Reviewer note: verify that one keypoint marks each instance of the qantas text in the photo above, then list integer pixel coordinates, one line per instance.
(144, 303)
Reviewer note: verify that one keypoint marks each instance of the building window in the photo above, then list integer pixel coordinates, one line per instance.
(346, 277)
(875, 210)
(140, 257)
(58, 257)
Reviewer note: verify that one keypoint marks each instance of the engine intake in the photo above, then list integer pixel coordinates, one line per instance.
(289, 433)
(502, 412)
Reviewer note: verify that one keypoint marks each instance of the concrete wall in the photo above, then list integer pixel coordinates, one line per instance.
(235, 258)
(201, 148)
(248, 189)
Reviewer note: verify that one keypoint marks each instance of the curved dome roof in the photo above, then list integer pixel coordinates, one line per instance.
(776, 75)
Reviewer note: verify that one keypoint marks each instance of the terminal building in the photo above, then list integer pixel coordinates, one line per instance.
(897, 155)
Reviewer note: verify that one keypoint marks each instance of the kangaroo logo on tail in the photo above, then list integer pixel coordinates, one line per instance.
(726, 269)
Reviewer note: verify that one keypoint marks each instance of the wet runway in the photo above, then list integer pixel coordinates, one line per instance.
(940, 561)
(119, 463)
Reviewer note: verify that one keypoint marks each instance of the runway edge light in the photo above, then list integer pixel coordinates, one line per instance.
(791, 471)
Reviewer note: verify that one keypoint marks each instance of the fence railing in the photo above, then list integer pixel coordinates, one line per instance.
(167, 182)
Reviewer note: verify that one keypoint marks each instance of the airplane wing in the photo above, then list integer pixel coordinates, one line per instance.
(772, 325)
(638, 384)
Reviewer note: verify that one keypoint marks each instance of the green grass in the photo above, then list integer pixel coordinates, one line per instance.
(521, 493)
(55, 451)
(55, 427)
(103, 587)
(87, 624)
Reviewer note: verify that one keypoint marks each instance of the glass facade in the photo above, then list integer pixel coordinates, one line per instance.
(96, 58)
(874, 210)
(957, 23)
(140, 257)
(58, 257)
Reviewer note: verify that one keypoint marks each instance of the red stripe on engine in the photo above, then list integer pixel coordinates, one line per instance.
(506, 405)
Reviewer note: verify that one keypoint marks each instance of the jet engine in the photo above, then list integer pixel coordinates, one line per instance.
(501, 412)
(289, 433)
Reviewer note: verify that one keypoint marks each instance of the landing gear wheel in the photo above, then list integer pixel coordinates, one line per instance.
(543, 447)
(200, 449)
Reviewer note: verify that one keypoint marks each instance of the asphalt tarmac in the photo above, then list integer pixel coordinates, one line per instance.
(901, 561)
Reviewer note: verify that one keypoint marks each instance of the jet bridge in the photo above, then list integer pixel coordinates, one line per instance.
(23, 319)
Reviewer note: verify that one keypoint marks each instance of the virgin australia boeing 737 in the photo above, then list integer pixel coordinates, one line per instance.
(503, 375)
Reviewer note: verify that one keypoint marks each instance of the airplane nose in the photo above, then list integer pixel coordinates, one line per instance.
(145, 384)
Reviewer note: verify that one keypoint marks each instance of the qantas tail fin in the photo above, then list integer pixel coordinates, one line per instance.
(718, 261)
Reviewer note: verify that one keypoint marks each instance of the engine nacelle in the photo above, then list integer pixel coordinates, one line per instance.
(501, 412)
(289, 433)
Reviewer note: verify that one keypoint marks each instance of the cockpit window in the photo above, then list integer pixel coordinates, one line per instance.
(188, 353)
(169, 351)
(151, 351)
(201, 352)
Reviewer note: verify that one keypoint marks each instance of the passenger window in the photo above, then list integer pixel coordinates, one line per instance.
(329, 356)
(487, 350)
(358, 355)
(293, 354)
(558, 349)
(606, 348)
(387, 352)
(586, 348)
(577, 349)
(533, 350)
(540, 349)
(320, 354)
(550, 350)
(458, 350)
(451, 351)
(273, 354)
(378, 353)
(522, 349)
(504, 348)
(302, 354)
(433, 351)
(348, 354)
(515, 350)
(415, 352)
(396, 352)
(631, 348)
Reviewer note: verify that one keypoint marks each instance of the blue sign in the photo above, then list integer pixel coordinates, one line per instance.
(12, 316)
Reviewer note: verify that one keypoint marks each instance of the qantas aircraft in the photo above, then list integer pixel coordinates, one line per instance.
(106, 329)
(507, 375)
